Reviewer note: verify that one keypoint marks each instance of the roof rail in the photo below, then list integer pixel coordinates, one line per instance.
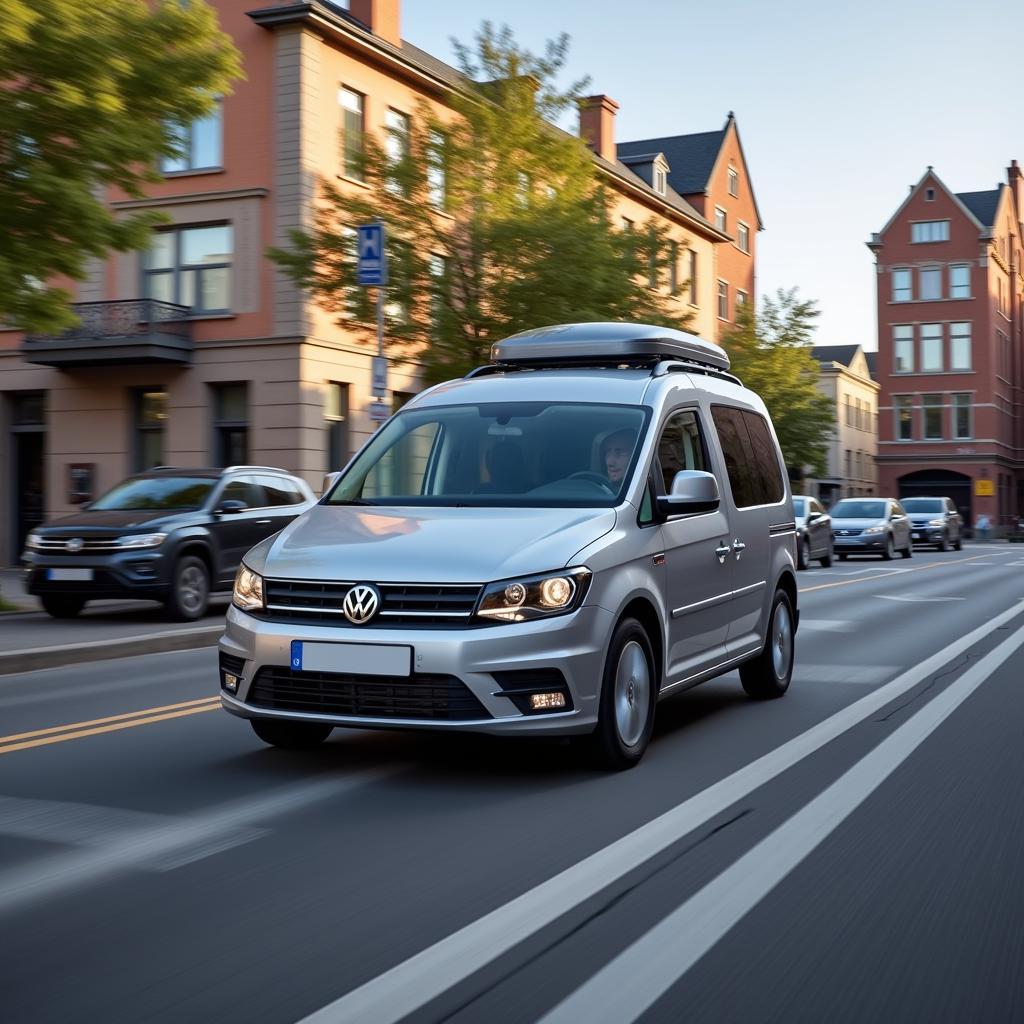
(271, 469)
(684, 366)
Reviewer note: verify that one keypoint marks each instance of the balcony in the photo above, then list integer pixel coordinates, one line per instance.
(117, 334)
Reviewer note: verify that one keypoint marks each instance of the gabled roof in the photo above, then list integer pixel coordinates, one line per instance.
(835, 353)
(982, 204)
(691, 158)
(871, 358)
(876, 239)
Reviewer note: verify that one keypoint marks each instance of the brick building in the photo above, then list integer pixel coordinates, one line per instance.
(949, 286)
(201, 352)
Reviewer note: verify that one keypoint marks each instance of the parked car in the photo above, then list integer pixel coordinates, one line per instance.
(170, 535)
(598, 519)
(934, 521)
(871, 526)
(813, 531)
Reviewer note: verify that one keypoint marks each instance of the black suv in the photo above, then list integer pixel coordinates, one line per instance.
(170, 535)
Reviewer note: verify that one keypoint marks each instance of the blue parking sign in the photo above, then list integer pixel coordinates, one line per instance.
(373, 262)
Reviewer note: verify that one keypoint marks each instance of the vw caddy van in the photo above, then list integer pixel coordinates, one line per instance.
(594, 521)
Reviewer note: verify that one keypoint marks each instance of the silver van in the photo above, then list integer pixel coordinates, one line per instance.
(597, 519)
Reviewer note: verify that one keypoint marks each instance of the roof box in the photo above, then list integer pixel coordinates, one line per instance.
(605, 343)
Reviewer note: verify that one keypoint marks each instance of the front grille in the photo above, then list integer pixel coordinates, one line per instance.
(419, 696)
(58, 545)
(402, 604)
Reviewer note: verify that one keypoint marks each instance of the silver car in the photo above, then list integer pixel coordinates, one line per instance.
(934, 521)
(871, 526)
(813, 531)
(598, 519)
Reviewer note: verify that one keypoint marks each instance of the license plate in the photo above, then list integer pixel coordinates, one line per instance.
(69, 575)
(917, 536)
(358, 659)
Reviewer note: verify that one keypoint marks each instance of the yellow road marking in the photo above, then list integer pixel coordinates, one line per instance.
(79, 730)
(868, 579)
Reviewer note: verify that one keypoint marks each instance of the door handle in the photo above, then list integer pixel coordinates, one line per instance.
(738, 546)
(263, 522)
(723, 553)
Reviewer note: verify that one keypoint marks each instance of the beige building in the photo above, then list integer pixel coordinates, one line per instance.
(846, 379)
(200, 351)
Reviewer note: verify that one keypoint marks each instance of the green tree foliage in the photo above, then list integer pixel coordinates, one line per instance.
(771, 354)
(519, 236)
(91, 90)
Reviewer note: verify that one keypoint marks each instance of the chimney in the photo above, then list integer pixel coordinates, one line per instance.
(597, 125)
(1016, 182)
(381, 17)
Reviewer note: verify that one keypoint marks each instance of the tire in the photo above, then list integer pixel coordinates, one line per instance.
(958, 544)
(769, 674)
(908, 551)
(290, 735)
(190, 589)
(890, 552)
(826, 559)
(943, 544)
(843, 557)
(803, 553)
(629, 691)
(62, 606)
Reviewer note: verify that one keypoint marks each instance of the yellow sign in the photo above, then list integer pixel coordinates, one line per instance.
(984, 488)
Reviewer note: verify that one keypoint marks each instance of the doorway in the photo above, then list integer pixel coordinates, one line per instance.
(28, 466)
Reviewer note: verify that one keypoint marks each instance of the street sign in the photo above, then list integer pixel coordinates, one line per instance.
(984, 488)
(380, 375)
(372, 267)
(379, 411)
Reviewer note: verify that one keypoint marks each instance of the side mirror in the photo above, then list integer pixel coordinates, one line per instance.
(329, 481)
(693, 493)
(231, 507)
(813, 517)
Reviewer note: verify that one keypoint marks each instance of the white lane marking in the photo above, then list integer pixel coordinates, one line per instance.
(413, 983)
(828, 625)
(835, 673)
(916, 600)
(164, 847)
(633, 981)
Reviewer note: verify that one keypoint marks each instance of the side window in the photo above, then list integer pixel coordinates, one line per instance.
(744, 479)
(280, 491)
(817, 508)
(646, 514)
(680, 447)
(244, 488)
(773, 487)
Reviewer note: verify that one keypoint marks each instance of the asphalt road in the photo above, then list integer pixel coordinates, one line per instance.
(848, 853)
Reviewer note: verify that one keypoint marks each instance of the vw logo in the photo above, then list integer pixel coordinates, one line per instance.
(360, 604)
(75, 544)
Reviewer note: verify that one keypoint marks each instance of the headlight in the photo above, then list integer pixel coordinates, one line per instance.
(936, 522)
(142, 540)
(534, 597)
(875, 529)
(33, 540)
(248, 592)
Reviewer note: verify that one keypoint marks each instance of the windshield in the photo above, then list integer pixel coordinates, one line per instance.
(850, 508)
(156, 493)
(507, 454)
(923, 505)
(800, 506)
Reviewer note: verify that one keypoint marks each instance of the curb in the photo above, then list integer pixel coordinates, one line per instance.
(100, 650)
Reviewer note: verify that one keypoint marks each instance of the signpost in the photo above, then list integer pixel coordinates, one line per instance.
(372, 271)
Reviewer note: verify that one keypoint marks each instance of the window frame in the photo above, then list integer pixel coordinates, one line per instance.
(903, 403)
(953, 286)
(932, 403)
(933, 275)
(743, 237)
(352, 155)
(896, 294)
(929, 228)
(958, 406)
(962, 337)
(723, 300)
(721, 220)
(693, 276)
(140, 428)
(186, 135)
(178, 269)
(899, 341)
(223, 426)
(940, 339)
(734, 182)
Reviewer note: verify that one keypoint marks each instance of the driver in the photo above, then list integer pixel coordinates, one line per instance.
(616, 451)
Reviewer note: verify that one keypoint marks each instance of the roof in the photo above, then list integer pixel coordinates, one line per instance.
(835, 353)
(982, 204)
(871, 358)
(691, 158)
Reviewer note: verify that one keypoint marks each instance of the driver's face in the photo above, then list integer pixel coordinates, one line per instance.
(616, 459)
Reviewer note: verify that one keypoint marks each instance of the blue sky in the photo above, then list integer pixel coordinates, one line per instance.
(841, 107)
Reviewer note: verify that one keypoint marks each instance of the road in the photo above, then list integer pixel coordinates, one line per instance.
(848, 853)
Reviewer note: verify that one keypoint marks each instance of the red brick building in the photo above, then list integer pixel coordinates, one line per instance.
(949, 290)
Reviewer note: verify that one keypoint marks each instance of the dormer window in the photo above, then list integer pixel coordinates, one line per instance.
(660, 180)
(734, 182)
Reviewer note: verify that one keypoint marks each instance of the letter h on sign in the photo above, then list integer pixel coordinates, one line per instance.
(372, 266)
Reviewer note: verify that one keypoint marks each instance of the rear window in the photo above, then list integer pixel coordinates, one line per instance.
(924, 505)
(750, 461)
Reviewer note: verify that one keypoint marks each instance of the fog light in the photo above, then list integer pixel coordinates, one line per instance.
(231, 681)
(546, 701)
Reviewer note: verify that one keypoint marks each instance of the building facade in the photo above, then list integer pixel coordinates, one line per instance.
(201, 351)
(845, 378)
(949, 288)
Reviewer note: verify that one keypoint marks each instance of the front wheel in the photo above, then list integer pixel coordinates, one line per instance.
(803, 554)
(629, 689)
(769, 674)
(190, 590)
(943, 544)
(826, 559)
(908, 551)
(958, 544)
(890, 552)
(290, 735)
(62, 606)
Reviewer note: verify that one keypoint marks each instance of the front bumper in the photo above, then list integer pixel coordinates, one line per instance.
(141, 573)
(574, 644)
(927, 534)
(862, 542)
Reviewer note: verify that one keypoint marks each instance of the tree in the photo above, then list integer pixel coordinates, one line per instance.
(771, 354)
(498, 219)
(92, 92)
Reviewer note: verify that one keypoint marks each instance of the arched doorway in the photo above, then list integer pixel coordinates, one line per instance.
(940, 483)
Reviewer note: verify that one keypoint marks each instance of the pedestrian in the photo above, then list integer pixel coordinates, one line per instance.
(981, 526)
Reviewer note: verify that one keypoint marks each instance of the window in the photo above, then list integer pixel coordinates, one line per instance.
(396, 145)
(734, 182)
(930, 231)
(720, 218)
(681, 447)
(199, 144)
(929, 195)
(849, 410)
(245, 489)
(524, 189)
(191, 267)
(693, 277)
(723, 300)
(627, 224)
(932, 407)
(848, 464)
(743, 237)
(400, 275)
(660, 180)
(960, 281)
(962, 428)
(755, 477)
(903, 348)
(773, 486)
(230, 424)
(336, 420)
(437, 170)
(279, 490)
(960, 346)
(438, 290)
(902, 286)
(903, 406)
(931, 283)
(150, 424)
(673, 266)
(741, 300)
(931, 348)
(353, 129)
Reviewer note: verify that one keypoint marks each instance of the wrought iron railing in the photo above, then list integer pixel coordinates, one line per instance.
(128, 318)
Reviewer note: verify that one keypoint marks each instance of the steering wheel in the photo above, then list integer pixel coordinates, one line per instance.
(592, 477)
